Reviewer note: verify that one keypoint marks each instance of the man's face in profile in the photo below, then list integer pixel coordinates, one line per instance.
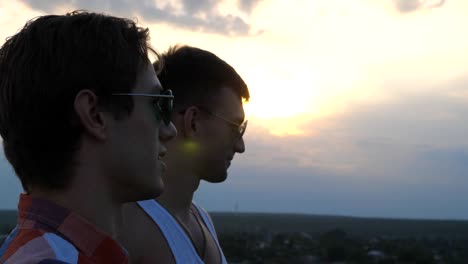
(222, 139)
(139, 142)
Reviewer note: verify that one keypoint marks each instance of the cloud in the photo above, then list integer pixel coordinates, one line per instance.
(248, 5)
(194, 6)
(374, 137)
(407, 6)
(197, 15)
(308, 190)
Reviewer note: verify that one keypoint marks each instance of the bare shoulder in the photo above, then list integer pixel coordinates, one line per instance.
(142, 237)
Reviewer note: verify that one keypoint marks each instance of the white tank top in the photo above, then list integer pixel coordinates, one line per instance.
(182, 248)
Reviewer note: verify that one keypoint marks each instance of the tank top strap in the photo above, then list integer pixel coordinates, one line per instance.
(181, 246)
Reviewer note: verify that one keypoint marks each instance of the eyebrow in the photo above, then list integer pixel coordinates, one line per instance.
(240, 121)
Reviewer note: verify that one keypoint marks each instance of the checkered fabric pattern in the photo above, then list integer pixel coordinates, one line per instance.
(49, 233)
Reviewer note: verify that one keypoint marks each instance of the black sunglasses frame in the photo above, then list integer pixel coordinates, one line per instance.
(163, 106)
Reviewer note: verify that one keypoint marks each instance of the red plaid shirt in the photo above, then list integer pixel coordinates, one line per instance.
(49, 233)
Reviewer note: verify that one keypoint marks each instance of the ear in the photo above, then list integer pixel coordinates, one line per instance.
(190, 120)
(92, 120)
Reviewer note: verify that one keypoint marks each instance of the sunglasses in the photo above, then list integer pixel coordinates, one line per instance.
(162, 105)
(240, 127)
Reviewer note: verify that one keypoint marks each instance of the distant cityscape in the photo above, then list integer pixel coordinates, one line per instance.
(336, 246)
(251, 238)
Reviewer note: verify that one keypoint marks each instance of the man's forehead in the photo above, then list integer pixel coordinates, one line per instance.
(147, 81)
(230, 105)
(155, 86)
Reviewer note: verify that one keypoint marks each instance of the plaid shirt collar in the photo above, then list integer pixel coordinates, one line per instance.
(37, 213)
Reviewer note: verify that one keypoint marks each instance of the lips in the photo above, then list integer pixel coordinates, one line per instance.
(162, 165)
(162, 152)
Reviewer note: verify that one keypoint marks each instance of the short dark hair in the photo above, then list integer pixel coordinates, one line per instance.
(195, 76)
(42, 69)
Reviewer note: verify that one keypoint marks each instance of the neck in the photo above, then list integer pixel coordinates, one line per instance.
(179, 188)
(90, 199)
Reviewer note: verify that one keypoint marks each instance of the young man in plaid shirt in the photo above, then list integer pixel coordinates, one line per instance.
(84, 122)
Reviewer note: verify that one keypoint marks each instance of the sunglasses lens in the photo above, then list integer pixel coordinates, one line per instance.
(242, 128)
(166, 110)
(166, 104)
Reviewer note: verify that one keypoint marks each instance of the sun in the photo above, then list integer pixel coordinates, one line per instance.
(281, 104)
(285, 103)
(279, 97)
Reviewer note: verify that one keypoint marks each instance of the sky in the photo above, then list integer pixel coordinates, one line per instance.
(357, 108)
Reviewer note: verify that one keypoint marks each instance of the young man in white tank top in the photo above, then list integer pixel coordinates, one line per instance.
(210, 120)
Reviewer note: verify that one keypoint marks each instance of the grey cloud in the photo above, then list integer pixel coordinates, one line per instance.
(450, 162)
(248, 5)
(299, 190)
(202, 15)
(386, 144)
(406, 6)
(193, 6)
(434, 115)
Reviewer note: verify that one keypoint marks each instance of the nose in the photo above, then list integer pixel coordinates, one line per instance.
(167, 132)
(239, 147)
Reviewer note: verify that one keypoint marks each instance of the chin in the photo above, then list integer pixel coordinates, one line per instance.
(150, 190)
(217, 178)
(158, 188)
